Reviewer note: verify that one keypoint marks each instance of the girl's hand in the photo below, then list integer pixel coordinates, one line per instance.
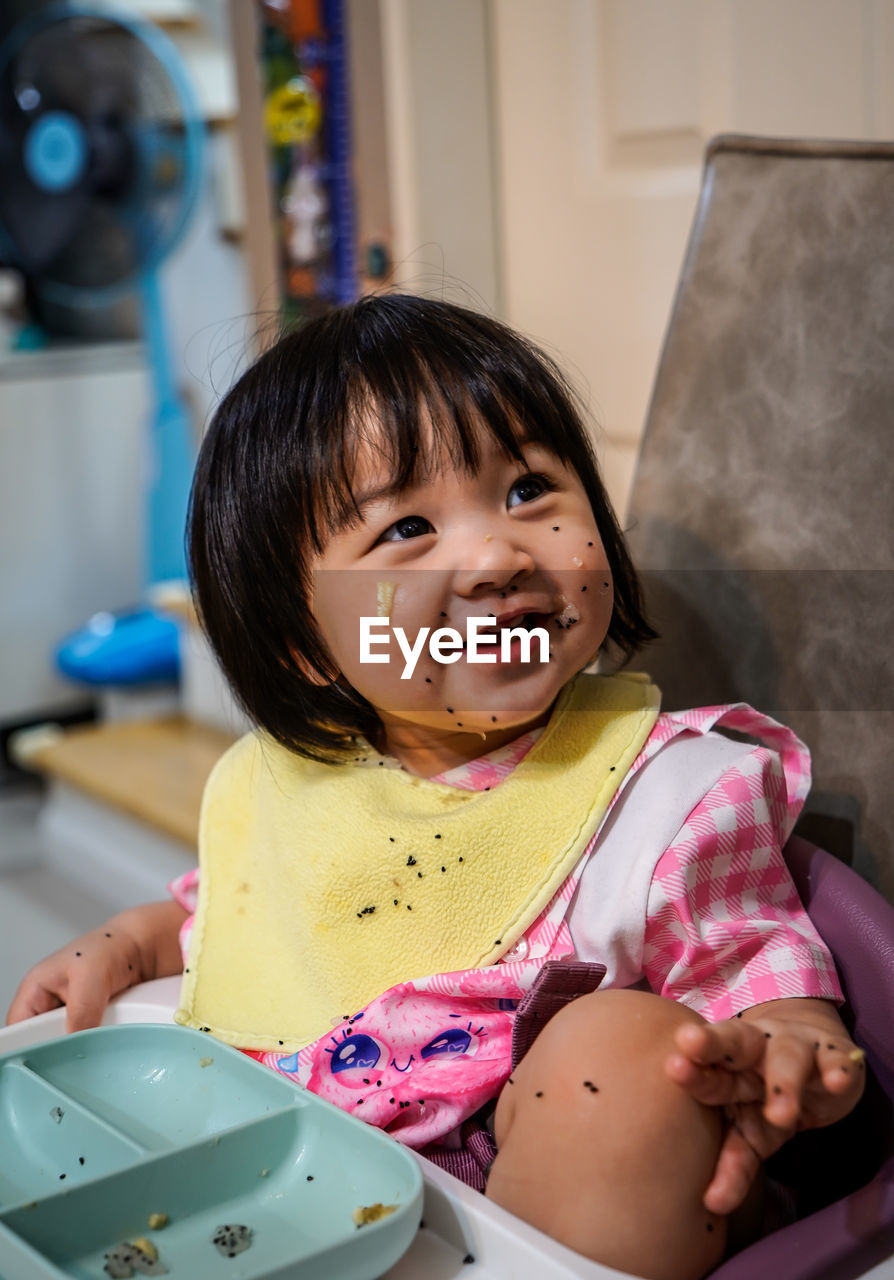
(135, 946)
(780, 1067)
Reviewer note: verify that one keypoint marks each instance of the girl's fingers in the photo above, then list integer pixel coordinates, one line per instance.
(841, 1064)
(736, 1169)
(789, 1064)
(30, 1000)
(733, 1044)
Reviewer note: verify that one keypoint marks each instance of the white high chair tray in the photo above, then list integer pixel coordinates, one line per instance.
(464, 1236)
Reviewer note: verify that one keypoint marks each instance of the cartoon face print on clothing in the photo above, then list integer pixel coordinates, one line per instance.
(409, 1055)
(513, 541)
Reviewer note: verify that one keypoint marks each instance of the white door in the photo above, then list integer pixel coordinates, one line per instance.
(602, 109)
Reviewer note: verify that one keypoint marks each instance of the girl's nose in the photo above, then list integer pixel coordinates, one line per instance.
(490, 561)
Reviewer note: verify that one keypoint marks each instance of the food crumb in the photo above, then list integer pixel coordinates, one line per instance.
(126, 1258)
(366, 1213)
(265, 1173)
(205, 1062)
(157, 1221)
(468, 1259)
(230, 1240)
(56, 1114)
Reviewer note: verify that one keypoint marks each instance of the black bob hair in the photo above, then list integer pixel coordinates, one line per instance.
(274, 478)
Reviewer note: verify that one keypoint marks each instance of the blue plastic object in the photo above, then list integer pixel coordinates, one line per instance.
(103, 1129)
(142, 647)
(55, 151)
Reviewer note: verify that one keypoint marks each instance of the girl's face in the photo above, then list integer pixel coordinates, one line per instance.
(517, 543)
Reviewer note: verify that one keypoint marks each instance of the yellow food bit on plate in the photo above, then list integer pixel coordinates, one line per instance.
(205, 1062)
(366, 1213)
(157, 1221)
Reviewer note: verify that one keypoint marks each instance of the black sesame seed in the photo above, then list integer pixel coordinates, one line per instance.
(108, 935)
(513, 588)
(499, 942)
(539, 1093)
(450, 710)
(443, 615)
(409, 908)
(395, 901)
(589, 544)
(459, 724)
(555, 528)
(61, 1177)
(310, 1177)
(77, 953)
(493, 719)
(469, 1258)
(459, 859)
(411, 861)
(80, 1159)
(428, 679)
(443, 868)
(583, 588)
(438, 836)
(419, 874)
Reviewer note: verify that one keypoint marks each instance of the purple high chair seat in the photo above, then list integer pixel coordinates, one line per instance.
(844, 1173)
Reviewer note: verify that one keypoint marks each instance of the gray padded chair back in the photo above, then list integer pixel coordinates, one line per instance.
(761, 509)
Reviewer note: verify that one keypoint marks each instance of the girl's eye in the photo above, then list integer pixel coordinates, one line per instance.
(527, 489)
(408, 527)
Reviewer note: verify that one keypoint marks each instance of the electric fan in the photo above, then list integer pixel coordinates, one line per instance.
(100, 151)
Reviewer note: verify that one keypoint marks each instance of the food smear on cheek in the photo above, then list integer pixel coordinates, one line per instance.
(568, 616)
(385, 598)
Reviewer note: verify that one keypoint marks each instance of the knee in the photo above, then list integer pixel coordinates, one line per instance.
(600, 1149)
(617, 1039)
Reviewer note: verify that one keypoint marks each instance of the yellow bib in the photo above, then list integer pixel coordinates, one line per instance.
(324, 885)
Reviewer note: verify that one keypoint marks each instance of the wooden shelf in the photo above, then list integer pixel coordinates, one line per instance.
(153, 770)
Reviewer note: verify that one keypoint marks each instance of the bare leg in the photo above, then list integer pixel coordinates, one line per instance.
(601, 1150)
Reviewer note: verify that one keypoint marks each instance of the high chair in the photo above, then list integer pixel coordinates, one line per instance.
(761, 519)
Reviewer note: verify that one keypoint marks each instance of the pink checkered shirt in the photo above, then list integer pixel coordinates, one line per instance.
(724, 928)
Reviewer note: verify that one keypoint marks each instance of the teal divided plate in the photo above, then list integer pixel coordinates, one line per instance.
(102, 1129)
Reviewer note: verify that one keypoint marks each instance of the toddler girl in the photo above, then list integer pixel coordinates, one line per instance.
(446, 830)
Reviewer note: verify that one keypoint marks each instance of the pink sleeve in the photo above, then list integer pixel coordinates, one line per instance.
(185, 891)
(725, 928)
